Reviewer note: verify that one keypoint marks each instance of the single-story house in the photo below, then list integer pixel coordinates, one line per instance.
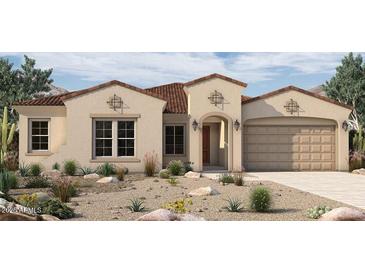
(205, 121)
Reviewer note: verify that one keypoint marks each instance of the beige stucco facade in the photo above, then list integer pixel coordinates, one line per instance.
(72, 125)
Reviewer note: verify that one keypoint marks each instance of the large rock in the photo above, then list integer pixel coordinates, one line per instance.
(159, 215)
(18, 217)
(42, 196)
(106, 180)
(167, 215)
(46, 217)
(203, 191)
(360, 171)
(52, 174)
(192, 175)
(343, 214)
(92, 176)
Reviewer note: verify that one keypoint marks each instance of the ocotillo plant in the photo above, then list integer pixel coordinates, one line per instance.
(6, 136)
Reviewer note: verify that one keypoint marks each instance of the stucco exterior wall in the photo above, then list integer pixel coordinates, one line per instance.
(76, 128)
(200, 108)
(316, 109)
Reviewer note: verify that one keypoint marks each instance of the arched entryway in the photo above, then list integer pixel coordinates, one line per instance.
(216, 140)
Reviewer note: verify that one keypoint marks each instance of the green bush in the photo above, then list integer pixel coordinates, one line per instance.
(28, 200)
(173, 181)
(106, 169)
(13, 181)
(317, 211)
(86, 170)
(226, 179)
(63, 189)
(260, 199)
(35, 169)
(70, 167)
(233, 205)
(188, 167)
(5, 181)
(56, 166)
(56, 208)
(136, 205)
(164, 174)
(176, 167)
(24, 170)
(37, 182)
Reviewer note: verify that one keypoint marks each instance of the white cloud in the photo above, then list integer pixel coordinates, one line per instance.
(149, 69)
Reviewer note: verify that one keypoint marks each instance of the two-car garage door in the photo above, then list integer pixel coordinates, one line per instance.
(289, 147)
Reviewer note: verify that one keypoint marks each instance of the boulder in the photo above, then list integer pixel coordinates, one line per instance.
(46, 217)
(3, 202)
(203, 191)
(192, 175)
(360, 171)
(159, 215)
(42, 196)
(106, 180)
(91, 176)
(52, 174)
(189, 217)
(343, 214)
(18, 217)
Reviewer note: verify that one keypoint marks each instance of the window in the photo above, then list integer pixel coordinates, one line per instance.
(125, 138)
(39, 135)
(114, 138)
(174, 140)
(103, 138)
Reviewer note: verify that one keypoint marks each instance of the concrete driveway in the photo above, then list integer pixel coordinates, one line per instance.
(340, 186)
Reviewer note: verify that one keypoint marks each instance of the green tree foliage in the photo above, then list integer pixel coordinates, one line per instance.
(348, 86)
(21, 84)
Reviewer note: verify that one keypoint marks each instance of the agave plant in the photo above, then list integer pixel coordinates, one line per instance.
(6, 134)
(233, 205)
(136, 205)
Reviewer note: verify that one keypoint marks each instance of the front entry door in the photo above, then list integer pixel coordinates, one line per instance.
(206, 145)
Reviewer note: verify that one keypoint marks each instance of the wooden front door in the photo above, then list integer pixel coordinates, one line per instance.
(206, 144)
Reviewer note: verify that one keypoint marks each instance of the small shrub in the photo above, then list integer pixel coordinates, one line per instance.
(120, 172)
(24, 170)
(226, 179)
(178, 206)
(70, 167)
(136, 205)
(5, 181)
(164, 174)
(238, 180)
(28, 200)
(233, 205)
(37, 182)
(176, 167)
(317, 211)
(150, 164)
(86, 170)
(13, 181)
(260, 199)
(106, 169)
(63, 189)
(188, 167)
(56, 208)
(35, 169)
(56, 166)
(173, 181)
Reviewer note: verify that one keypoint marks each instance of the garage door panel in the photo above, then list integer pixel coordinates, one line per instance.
(289, 148)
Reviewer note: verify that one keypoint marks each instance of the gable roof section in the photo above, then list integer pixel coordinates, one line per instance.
(289, 88)
(215, 75)
(54, 100)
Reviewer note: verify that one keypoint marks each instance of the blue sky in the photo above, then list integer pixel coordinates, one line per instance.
(263, 72)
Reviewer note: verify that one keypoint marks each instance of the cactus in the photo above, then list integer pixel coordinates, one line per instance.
(6, 136)
(359, 141)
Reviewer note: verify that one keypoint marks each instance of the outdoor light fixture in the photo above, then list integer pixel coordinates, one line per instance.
(195, 125)
(236, 125)
(345, 125)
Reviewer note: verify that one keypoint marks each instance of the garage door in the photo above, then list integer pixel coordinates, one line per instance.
(306, 148)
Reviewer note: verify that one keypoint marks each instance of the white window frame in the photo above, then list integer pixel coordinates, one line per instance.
(184, 137)
(114, 138)
(30, 135)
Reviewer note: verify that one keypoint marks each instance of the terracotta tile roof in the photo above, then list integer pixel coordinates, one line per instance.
(174, 95)
(288, 88)
(244, 98)
(215, 75)
(54, 100)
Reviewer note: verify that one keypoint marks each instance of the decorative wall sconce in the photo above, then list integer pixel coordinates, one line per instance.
(195, 125)
(345, 125)
(236, 125)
